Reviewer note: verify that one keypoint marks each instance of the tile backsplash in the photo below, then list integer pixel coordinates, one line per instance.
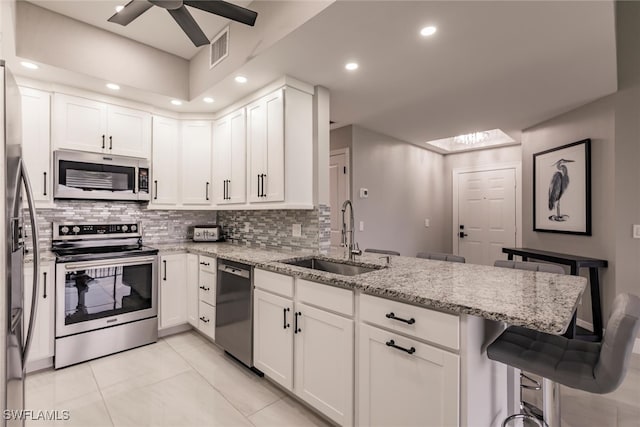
(259, 228)
(158, 226)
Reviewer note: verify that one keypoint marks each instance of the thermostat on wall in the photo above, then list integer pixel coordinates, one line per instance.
(364, 193)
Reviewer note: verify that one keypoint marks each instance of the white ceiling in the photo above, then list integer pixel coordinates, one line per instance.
(155, 27)
(505, 65)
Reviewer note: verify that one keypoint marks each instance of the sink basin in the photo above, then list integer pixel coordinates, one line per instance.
(331, 266)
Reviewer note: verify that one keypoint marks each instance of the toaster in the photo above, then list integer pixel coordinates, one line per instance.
(207, 233)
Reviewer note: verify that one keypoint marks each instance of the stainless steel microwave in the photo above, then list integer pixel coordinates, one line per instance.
(94, 176)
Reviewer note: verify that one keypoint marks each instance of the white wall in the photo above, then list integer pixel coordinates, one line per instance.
(62, 42)
(406, 185)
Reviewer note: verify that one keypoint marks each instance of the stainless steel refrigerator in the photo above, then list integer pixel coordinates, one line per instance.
(16, 331)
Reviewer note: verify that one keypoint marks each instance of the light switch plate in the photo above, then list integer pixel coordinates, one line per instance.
(246, 227)
(636, 231)
(361, 225)
(364, 193)
(426, 222)
(296, 230)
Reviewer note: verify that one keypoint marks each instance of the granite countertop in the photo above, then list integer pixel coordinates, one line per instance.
(540, 301)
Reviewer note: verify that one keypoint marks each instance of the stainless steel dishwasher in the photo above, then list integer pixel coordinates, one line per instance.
(234, 310)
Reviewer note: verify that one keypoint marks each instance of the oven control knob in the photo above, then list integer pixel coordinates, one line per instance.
(125, 228)
(134, 227)
(64, 230)
(76, 229)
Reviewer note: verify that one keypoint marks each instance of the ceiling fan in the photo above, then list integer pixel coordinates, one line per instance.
(179, 12)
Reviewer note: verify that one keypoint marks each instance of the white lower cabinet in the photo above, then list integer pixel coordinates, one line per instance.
(207, 319)
(323, 368)
(306, 349)
(273, 337)
(173, 290)
(43, 334)
(403, 382)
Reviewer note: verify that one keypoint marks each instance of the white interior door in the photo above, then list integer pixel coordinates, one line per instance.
(338, 192)
(486, 214)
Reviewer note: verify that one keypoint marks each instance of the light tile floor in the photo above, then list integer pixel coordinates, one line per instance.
(184, 380)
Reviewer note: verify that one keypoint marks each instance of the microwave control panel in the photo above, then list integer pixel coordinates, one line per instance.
(143, 180)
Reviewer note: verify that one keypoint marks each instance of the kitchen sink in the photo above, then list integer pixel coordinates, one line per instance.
(332, 266)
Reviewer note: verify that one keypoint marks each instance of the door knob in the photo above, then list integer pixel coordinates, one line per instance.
(463, 234)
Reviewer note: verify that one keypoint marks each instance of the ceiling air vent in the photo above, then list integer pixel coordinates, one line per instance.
(219, 48)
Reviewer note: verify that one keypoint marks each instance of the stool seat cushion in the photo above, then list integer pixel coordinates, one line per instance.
(568, 362)
(593, 367)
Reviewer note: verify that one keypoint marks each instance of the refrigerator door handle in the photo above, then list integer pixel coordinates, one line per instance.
(36, 262)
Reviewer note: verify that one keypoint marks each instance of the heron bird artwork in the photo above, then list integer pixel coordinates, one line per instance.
(557, 187)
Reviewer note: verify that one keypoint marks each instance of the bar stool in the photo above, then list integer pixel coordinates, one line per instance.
(526, 382)
(438, 256)
(382, 251)
(588, 366)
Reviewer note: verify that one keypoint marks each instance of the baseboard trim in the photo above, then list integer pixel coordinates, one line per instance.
(587, 325)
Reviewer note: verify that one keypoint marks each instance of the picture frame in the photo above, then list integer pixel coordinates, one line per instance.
(562, 189)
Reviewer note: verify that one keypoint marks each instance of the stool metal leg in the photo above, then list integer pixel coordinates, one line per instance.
(551, 402)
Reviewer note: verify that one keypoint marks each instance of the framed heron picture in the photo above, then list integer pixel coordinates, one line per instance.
(562, 189)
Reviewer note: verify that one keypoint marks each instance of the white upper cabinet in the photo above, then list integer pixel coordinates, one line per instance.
(36, 141)
(280, 149)
(196, 186)
(87, 125)
(129, 131)
(229, 159)
(165, 161)
(265, 137)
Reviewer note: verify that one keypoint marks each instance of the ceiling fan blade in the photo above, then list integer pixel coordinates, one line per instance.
(131, 11)
(225, 9)
(189, 26)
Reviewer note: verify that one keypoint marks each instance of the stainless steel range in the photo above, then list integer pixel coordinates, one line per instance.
(106, 291)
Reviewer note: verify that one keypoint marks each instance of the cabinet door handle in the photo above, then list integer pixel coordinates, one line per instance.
(44, 284)
(103, 144)
(285, 325)
(164, 263)
(295, 326)
(204, 319)
(155, 197)
(110, 142)
(262, 190)
(204, 288)
(45, 184)
(206, 192)
(393, 317)
(391, 343)
(259, 195)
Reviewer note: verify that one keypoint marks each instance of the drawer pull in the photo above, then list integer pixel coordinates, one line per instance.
(204, 319)
(400, 319)
(204, 288)
(206, 264)
(392, 343)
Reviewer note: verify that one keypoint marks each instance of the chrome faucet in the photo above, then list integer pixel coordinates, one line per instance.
(353, 247)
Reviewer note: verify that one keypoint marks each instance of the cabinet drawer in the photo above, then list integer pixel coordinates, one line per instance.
(207, 263)
(273, 282)
(207, 287)
(429, 325)
(325, 296)
(207, 321)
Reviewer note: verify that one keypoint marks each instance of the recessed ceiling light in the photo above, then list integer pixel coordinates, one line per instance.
(208, 99)
(241, 79)
(176, 102)
(351, 66)
(119, 8)
(29, 65)
(113, 86)
(428, 31)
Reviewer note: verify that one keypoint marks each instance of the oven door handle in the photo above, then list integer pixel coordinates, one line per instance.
(125, 262)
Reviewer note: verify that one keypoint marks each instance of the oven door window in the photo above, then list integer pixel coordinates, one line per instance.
(99, 292)
(96, 177)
